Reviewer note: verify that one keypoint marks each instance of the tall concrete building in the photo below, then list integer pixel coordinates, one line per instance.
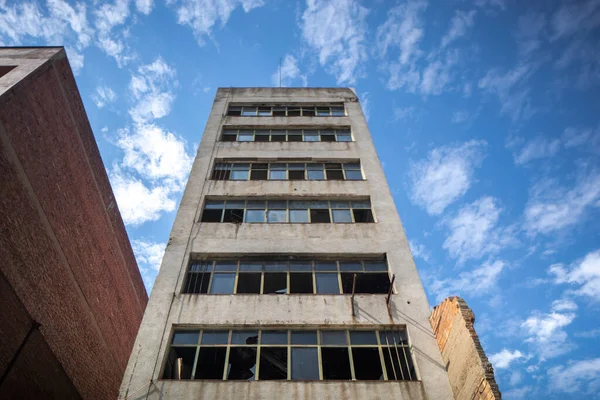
(71, 295)
(287, 273)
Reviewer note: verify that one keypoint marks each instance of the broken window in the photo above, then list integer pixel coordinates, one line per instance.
(296, 355)
(234, 111)
(264, 111)
(279, 111)
(213, 211)
(275, 282)
(327, 135)
(229, 135)
(198, 278)
(278, 136)
(234, 211)
(249, 111)
(296, 171)
(294, 111)
(301, 282)
(319, 216)
(290, 111)
(248, 282)
(334, 171)
(262, 135)
(294, 135)
(361, 216)
(308, 111)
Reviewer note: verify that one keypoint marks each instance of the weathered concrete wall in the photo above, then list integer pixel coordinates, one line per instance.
(470, 373)
(63, 245)
(168, 308)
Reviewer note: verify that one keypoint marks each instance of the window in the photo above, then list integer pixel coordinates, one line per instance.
(280, 276)
(287, 211)
(251, 354)
(289, 171)
(307, 110)
(341, 134)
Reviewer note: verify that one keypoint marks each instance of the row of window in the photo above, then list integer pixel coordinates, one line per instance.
(287, 111)
(284, 211)
(287, 171)
(253, 355)
(286, 135)
(283, 277)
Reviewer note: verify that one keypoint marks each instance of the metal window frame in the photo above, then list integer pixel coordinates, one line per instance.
(301, 106)
(402, 351)
(229, 166)
(288, 131)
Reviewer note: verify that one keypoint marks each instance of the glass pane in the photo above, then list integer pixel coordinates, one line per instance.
(299, 216)
(276, 266)
(273, 363)
(323, 111)
(274, 337)
(340, 204)
(239, 175)
(211, 363)
(316, 175)
(334, 338)
(255, 216)
(304, 337)
(298, 205)
(226, 266)
(363, 337)
(305, 364)
(305, 266)
(327, 284)
(319, 204)
(276, 216)
(311, 137)
(256, 204)
(325, 266)
(341, 216)
(222, 284)
(245, 137)
(214, 337)
(366, 204)
(240, 167)
(344, 138)
(388, 337)
(186, 337)
(338, 111)
(350, 266)
(214, 204)
(354, 175)
(277, 175)
(242, 363)
(250, 266)
(375, 266)
(264, 111)
(244, 337)
(249, 111)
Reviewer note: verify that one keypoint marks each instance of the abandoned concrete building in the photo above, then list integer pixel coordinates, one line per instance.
(71, 295)
(287, 273)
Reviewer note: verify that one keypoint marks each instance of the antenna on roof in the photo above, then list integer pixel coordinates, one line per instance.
(279, 71)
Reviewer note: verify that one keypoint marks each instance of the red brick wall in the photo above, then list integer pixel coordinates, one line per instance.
(64, 248)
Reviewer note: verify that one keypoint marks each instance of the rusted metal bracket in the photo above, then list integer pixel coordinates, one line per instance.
(387, 300)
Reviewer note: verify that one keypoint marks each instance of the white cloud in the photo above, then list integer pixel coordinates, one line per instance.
(437, 75)
(518, 393)
(575, 18)
(477, 282)
(530, 28)
(445, 175)
(577, 376)
(151, 88)
(337, 31)
(586, 138)
(473, 231)
(155, 154)
(552, 208)
(144, 6)
(103, 96)
(202, 15)
(511, 90)
(404, 113)
(419, 250)
(504, 358)
(109, 17)
(545, 330)
(564, 305)
(139, 203)
(461, 21)
(592, 333)
(583, 275)
(460, 116)
(288, 73)
(537, 148)
(149, 256)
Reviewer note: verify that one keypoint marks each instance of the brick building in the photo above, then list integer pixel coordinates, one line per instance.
(71, 296)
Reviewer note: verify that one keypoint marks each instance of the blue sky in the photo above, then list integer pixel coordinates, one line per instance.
(485, 115)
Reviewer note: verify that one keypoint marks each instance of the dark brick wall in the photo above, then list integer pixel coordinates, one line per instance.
(63, 245)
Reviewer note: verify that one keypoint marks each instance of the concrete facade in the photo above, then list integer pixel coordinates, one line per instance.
(470, 373)
(169, 308)
(71, 295)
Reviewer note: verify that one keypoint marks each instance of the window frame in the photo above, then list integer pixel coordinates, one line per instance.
(298, 110)
(225, 171)
(234, 133)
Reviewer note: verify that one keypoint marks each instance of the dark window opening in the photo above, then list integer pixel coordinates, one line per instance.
(234, 215)
(211, 363)
(335, 174)
(336, 363)
(197, 282)
(229, 138)
(275, 283)
(319, 216)
(279, 111)
(363, 216)
(293, 111)
(248, 283)
(367, 363)
(258, 174)
(242, 363)
(294, 138)
(373, 283)
(261, 138)
(180, 370)
(221, 175)
(308, 111)
(296, 174)
(277, 138)
(301, 283)
(327, 138)
(264, 111)
(211, 215)
(234, 111)
(273, 363)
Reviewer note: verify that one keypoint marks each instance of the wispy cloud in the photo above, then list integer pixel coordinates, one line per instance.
(104, 95)
(445, 175)
(112, 41)
(473, 231)
(404, 113)
(477, 282)
(336, 31)
(460, 116)
(202, 15)
(460, 23)
(577, 376)
(419, 251)
(288, 73)
(537, 148)
(149, 256)
(511, 89)
(552, 208)
(151, 88)
(583, 276)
